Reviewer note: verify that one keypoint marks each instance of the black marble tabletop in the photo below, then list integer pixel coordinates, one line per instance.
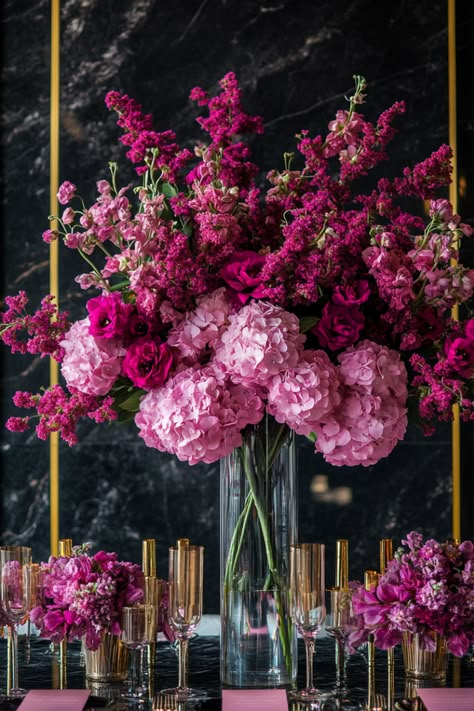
(42, 671)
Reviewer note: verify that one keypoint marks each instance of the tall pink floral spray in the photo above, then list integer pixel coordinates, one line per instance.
(219, 301)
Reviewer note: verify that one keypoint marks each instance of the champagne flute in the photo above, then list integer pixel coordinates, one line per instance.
(307, 604)
(138, 630)
(15, 596)
(340, 622)
(185, 608)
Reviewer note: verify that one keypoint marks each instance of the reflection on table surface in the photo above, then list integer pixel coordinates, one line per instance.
(42, 672)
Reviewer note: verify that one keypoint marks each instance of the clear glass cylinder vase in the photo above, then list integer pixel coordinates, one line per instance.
(258, 518)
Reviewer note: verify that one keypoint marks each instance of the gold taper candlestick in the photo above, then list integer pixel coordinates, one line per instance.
(182, 542)
(386, 555)
(370, 581)
(64, 550)
(342, 563)
(149, 557)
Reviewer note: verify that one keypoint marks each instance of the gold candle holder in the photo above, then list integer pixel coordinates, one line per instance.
(386, 555)
(65, 547)
(149, 557)
(371, 578)
(342, 564)
(64, 551)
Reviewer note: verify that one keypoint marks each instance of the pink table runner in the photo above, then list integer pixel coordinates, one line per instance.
(55, 700)
(447, 699)
(254, 700)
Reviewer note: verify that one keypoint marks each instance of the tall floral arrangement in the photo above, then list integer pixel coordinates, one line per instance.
(326, 307)
(428, 588)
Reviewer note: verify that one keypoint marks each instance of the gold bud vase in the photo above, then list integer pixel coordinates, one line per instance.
(109, 662)
(423, 664)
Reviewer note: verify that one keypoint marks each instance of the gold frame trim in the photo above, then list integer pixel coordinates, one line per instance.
(53, 260)
(453, 197)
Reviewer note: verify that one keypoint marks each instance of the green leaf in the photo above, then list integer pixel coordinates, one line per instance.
(124, 417)
(307, 323)
(132, 403)
(312, 436)
(168, 190)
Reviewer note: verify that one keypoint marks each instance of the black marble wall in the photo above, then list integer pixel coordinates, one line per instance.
(295, 60)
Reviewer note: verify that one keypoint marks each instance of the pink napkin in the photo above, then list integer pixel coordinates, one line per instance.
(55, 700)
(447, 699)
(254, 699)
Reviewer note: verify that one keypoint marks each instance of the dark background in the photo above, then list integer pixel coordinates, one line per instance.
(294, 60)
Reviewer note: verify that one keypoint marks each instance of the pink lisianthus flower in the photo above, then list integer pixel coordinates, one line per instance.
(91, 365)
(197, 415)
(372, 416)
(147, 363)
(339, 326)
(242, 274)
(108, 316)
(261, 341)
(304, 396)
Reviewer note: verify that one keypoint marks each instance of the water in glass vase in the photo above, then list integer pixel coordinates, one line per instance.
(258, 524)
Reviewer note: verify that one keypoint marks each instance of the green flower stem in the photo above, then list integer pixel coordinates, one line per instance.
(264, 462)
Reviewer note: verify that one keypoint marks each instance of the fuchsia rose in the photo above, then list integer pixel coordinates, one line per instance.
(90, 365)
(242, 274)
(108, 316)
(66, 192)
(350, 295)
(148, 363)
(339, 326)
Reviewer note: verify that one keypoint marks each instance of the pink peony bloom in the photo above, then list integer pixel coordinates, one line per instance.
(339, 326)
(148, 363)
(197, 415)
(261, 341)
(242, 274)
(371, 418)
(90, 364)
(108, 316)
(304, 395)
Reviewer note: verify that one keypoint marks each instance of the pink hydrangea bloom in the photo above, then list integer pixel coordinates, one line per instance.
(202, 327)
(197, 416)
(261, 341)
(90, 364)
(304, 395)
(372, 417)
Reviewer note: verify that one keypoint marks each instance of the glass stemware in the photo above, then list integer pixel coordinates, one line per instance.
(340, 622)
(138, 630)
(307, 604)
(185, 583)
(15, 596)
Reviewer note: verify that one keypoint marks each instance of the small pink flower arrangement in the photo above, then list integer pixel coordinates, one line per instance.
(428, 587)
(83, 595)
(217, 301)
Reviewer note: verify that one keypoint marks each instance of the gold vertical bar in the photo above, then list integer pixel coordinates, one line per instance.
(53, 262)
(453, 198)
